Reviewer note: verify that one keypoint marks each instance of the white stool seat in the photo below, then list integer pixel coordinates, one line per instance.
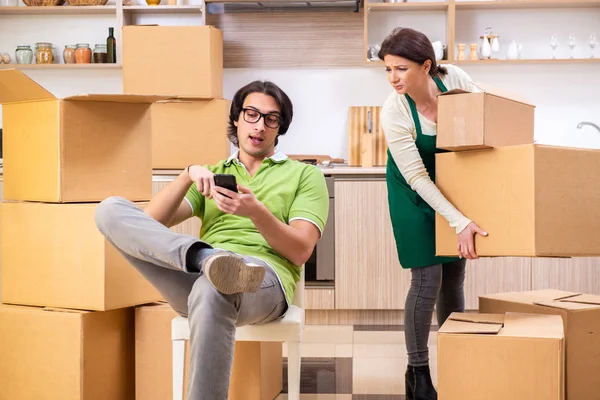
(287, 329)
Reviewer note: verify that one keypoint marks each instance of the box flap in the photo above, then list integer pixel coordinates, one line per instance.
(494, 91)
(572, 302)
(583, 299)
(502, 93)
(530, 297)
(453, 91)
(473, 323)
(539, 326)
(117, 98)
(16, 86)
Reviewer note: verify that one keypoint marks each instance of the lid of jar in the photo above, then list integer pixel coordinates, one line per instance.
(20, 46)
(70, 46)
(43, 44)
(83, 45)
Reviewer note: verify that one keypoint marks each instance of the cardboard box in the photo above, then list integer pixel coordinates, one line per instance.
(487, 119)
(499, 357)
(257, 367)
(533, 200)
(186, 61)
(53, 255)
(75, 149)
(581, 318)
(189, 132)
(50, 354)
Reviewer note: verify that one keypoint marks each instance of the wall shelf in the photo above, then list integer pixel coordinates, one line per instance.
(61, 66)
(519, 4)
(417, 6)
(58, 10)
(524, 62)
(163, 9)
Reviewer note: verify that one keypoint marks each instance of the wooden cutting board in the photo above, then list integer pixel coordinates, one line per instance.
(358, 125)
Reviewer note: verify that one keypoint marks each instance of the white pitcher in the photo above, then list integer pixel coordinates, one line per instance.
(485, 49)
(438, 48)
(514, 51)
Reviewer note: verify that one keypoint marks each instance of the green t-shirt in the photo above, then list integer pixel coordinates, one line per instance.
(289, 189)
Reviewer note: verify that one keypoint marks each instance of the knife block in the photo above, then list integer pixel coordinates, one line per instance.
(358, 130)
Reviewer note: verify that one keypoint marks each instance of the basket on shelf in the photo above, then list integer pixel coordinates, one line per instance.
(38, 3)
(87, 2)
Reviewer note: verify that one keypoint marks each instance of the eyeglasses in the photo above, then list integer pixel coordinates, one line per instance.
(253, 116)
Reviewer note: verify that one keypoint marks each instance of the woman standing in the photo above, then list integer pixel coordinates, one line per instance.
(408, 118)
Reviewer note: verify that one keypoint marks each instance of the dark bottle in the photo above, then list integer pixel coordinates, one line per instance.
(111, 46)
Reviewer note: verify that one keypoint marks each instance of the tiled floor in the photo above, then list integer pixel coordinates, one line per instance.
(354, 363)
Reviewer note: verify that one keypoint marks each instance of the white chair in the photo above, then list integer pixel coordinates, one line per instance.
(288, 330)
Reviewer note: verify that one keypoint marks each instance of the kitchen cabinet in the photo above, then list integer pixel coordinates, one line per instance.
(570, 274)
(319, 299)
(368, 275)
(189, 227)
(495, 275)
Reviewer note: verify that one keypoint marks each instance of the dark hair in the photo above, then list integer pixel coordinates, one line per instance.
(268, 88)
(412, 45)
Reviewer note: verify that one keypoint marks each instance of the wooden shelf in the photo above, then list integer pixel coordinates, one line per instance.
(379, 63)
(163, 9)
(518, 4)
(523, 62)
(417, 6)
(58, 10)
(61, 66)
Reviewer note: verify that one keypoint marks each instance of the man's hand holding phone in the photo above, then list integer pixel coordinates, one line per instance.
(235, 199)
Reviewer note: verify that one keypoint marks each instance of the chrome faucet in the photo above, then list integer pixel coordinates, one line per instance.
(581, 124)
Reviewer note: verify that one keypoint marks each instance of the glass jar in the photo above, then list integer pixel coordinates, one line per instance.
(44, 53)
(100, 54)
(24, 54)
(69, 54)
(83, 54)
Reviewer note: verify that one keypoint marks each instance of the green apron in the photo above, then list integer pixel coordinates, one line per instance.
(413, 220)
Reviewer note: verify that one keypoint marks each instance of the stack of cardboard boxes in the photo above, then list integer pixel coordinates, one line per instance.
(533, 200)
(67, 320)
(186, 64)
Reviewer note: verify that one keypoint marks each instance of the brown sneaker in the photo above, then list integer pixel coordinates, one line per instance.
(229, 274)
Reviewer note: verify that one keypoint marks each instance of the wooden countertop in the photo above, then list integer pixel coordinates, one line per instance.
(336, 170)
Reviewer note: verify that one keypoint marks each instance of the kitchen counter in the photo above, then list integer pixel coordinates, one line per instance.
(335, 170)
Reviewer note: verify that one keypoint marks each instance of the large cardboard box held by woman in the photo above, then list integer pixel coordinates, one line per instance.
(533, 200)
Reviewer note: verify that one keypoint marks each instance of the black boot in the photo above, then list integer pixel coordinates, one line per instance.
(418, 384)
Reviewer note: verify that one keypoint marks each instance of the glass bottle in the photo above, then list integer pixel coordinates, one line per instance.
(24, 54)
(83, 54)
(111, 46)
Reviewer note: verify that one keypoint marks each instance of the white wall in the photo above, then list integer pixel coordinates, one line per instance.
(564, 94)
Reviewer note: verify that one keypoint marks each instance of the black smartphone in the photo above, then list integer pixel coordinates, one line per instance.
(226, 181)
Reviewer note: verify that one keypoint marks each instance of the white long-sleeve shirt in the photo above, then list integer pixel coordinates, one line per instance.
(400, 132)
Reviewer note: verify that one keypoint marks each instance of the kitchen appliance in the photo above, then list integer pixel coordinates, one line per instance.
(320, 267)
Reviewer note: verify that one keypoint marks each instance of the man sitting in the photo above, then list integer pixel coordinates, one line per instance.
(253, 241)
